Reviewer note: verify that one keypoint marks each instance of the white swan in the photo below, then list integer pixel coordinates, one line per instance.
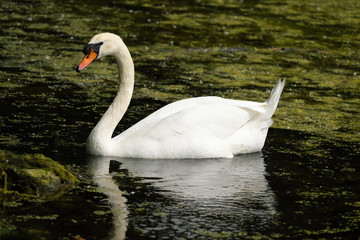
(203, 127)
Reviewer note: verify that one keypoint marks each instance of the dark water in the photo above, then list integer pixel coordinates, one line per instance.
(305, 183)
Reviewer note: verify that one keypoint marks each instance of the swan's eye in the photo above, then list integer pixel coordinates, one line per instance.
(94, 46)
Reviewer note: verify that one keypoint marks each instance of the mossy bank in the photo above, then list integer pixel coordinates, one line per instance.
(32, 176)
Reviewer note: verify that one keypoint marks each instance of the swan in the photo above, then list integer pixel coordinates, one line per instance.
(201, 127)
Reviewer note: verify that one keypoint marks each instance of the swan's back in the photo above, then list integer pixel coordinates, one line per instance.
(204, 127)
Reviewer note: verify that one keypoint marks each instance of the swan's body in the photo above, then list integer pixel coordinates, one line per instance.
(203, 127)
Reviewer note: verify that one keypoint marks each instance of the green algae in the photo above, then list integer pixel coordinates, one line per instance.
(31, 176)
(235, 49)
(6, 227)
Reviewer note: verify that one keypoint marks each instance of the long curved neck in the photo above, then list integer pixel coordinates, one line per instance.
(100, 137)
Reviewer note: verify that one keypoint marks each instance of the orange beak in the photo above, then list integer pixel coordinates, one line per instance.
(87, 60)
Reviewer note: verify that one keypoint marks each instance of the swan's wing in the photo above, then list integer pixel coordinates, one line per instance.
(203, 116)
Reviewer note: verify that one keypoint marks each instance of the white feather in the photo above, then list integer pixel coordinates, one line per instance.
(203, 127)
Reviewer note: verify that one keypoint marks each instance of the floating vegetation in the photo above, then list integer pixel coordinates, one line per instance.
(234, 49)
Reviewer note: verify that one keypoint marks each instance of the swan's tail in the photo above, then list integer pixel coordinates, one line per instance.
(274, 98)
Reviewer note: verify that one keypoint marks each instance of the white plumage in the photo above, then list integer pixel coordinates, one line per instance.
(203, 127)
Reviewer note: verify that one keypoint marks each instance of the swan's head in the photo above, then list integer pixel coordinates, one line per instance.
(100, 45)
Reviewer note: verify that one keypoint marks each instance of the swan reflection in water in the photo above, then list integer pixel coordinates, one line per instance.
(236, 184)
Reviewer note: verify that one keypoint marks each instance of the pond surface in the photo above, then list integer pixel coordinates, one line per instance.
(304, 184)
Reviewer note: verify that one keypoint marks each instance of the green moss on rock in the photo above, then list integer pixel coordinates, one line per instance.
(31, 176)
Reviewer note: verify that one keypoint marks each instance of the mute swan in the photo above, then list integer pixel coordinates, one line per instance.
(202, 127)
